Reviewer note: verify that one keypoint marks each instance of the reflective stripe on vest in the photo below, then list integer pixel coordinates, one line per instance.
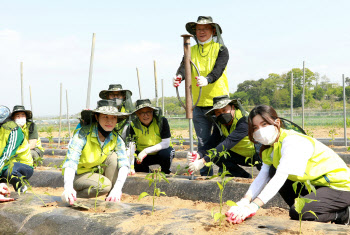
(324, 168)
(5, 131)
(244, 147)
(148, 136)
(93, 154)
(205, 61)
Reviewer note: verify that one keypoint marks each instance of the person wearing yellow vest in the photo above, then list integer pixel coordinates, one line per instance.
(152, 137)
(23, 119)
(289, 156)
(211, 56)
(123, 97)
(15, 156)
(230, 134)
(92, 147)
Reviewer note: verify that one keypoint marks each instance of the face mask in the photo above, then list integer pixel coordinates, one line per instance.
(225, 118)
(266, 135)
(202, 43)
(21, 121)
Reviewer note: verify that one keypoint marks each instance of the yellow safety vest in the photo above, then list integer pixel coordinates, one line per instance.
(25, 130)
(244, 147)
(93, 154)
(147, 136)
(324, 168)
(205, 61)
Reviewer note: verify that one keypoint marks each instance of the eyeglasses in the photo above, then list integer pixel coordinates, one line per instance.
(148, 113)
(204, 30)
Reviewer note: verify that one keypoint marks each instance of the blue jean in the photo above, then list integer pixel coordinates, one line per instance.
(203, 127)
(18, 170)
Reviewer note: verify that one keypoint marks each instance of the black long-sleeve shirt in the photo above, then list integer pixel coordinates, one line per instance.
(219, 67)
(218, 142)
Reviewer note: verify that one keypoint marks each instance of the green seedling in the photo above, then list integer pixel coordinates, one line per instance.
(178, 168)
(153, 178)
(300, 202)
(251, 164)
(50, 136)
(66, 138)
(38, 161)
(212, 153)
(332, 133)
(181, 140)
(309, 133)
(30, 188)
(101, 181)
(222, 184)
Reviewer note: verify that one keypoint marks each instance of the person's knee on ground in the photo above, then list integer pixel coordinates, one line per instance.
(103, 189)
(165, 159)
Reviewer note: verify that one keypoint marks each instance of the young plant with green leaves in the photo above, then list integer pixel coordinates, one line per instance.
(222, 184)
(100, 182)
(180, 139)
(25, 182)
(38, 161)
(153, 178)
(332, 133)
(251, 163)
(301, 201)
(50, 135)
(212, 153)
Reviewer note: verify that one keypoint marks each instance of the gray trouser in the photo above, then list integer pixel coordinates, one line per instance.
(83, 182)
(36, 153)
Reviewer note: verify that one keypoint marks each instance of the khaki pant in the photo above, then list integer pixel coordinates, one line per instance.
(83, 182)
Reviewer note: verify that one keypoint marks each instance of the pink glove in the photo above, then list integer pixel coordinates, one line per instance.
(177, 80)
(4, 190)
(243, 213)
(191, 157)
(114, 195)
(69, 196)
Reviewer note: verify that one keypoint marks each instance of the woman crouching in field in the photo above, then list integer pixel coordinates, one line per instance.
(289, 156)
(95, 146)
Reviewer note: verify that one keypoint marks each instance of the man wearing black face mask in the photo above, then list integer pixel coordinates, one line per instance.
(230, 134)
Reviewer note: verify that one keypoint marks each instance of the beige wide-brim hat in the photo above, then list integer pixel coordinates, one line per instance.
(109, 107)
(113, 87)
(20, 108)
(220, 102)
(191, 26)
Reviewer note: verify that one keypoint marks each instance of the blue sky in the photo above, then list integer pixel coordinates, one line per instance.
(53, 39)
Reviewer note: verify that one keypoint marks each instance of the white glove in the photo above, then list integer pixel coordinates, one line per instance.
(177, 80)
(244, 213)
(115, 194)
(4, 190)
(69, 196)
(240, 204)
(196, 165)
(201, 81)
(141, 156)
(192, 156)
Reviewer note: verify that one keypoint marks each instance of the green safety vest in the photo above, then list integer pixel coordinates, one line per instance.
(25, 130)
(205, 61)
(146, 136)
(93, 154)
(23, 151)
(5, 131)
(244, 147)
(324, 168)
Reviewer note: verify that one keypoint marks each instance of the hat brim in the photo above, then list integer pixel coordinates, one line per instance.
(191, 28)
(144, 106)
(221, 105)
(111, 111)
(28, 113)
(104, 93)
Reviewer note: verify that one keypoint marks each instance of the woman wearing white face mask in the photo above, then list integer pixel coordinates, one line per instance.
(289, 156)
(23, 118)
